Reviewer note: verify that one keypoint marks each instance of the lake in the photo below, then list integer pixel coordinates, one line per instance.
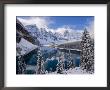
(51, 56)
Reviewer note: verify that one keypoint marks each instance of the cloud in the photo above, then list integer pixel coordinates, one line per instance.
(62, 29)
(90, 28)
(40, 22)
(44, 22)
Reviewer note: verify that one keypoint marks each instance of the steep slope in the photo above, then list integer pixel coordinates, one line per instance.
(24, 47)
(22, 32)
(24, 41)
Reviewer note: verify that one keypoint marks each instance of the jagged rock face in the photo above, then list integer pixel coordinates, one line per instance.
(46, 36)
(21, 32)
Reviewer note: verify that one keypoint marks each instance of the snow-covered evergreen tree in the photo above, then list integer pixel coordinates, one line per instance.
(60, 65)
(21, 66)
(40, 64)
(87, 52)
(69, 62)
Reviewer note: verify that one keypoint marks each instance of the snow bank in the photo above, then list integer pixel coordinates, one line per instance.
(76, 70)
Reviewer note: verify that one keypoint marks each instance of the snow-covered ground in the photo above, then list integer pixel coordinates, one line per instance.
(76, 70)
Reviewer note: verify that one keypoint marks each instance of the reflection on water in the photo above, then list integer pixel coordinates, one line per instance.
(51, 56)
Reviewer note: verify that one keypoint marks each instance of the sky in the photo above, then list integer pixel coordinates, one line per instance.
(72, 21)
(59, 23)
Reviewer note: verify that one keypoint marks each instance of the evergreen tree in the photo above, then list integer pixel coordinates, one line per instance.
(60, 66)
(40, 64)
(21, 66)
(87, 52)
(69, 62)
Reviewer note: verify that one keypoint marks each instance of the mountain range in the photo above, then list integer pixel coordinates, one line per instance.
(46, 36)
(34, 37)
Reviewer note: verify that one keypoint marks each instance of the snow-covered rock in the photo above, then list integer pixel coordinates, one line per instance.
(25, 47)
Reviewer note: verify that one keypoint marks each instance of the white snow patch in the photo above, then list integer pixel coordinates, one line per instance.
(76, 70)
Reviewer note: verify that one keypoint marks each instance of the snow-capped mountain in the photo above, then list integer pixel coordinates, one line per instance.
(46, 36)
